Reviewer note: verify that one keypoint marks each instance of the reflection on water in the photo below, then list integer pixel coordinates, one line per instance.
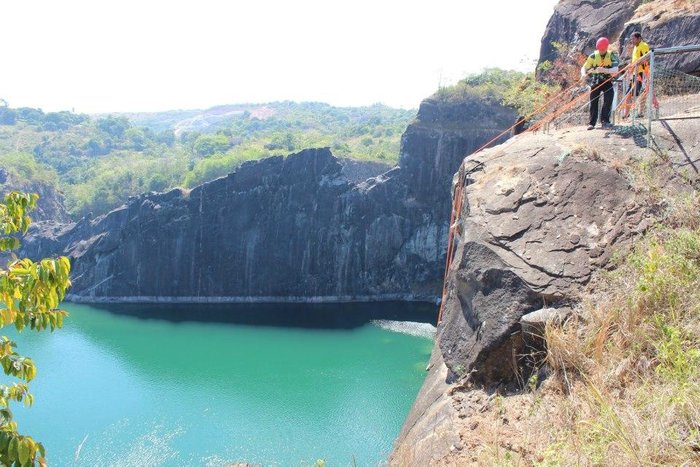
(115, 388)
(298, 315)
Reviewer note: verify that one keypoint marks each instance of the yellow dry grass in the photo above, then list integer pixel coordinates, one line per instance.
(659, 11)
(625, 382)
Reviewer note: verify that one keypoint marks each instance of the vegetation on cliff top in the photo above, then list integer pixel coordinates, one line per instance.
(520, 91)
(98, 162)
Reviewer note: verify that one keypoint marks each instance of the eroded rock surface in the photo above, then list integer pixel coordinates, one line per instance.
(540, 214)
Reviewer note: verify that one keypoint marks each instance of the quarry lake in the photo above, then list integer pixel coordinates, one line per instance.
(187, 385)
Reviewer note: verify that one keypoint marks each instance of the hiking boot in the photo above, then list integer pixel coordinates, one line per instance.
(590, 127)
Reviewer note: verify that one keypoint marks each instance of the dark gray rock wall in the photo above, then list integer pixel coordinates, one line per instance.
(294, 228)
(676, 31)
(359, 171)
(578, 24)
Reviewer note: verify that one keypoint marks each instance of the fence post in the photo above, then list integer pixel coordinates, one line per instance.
(650, 96)
(615, 87)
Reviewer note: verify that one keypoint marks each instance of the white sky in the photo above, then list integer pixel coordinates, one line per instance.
(145, 55)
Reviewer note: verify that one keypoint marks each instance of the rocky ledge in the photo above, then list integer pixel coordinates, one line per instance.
(540, 215)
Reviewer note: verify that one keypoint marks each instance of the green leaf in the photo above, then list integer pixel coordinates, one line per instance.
(24, 451)
(12, 449)
(4, 441)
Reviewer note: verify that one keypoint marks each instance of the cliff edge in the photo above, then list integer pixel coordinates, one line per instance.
(541, 214)
(295, 228)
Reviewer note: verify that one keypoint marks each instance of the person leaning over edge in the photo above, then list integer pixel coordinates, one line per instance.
(599, 68)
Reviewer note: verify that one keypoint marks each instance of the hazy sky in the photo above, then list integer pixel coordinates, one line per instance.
(145, 55)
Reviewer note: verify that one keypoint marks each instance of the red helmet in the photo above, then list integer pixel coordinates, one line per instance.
(602, 44)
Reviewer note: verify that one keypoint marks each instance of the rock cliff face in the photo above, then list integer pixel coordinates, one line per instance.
(294, 228)
(540, 214)
(50, 205)
(663, 23)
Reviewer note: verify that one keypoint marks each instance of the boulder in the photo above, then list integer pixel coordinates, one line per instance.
(539, 216)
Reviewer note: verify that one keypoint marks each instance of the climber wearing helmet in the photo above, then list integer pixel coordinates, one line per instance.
(600, 66)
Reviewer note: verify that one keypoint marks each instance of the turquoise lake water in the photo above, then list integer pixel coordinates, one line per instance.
(116, 388)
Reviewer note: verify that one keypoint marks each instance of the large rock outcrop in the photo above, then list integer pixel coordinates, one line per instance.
(293, 228)
(663, 23)
(540, 215)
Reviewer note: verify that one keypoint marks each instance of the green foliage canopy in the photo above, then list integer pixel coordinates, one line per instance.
(511, 88)
(99, 162)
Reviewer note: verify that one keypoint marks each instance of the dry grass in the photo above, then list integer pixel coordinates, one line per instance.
(586, 152)
(659, 8)
(625, 388)
(630, 365)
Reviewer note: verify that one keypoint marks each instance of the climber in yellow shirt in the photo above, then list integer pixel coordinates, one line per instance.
(599, 69)
(641, 48)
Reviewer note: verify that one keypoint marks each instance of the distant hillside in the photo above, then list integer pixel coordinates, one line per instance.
(101, 160)
(308, 114)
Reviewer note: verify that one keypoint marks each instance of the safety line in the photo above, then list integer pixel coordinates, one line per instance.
(458, 191)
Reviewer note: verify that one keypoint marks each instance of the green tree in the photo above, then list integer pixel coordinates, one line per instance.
(7, 116)
(166, 137)
(114, 126)
(29, 296)
(135, 138)
(206, 145)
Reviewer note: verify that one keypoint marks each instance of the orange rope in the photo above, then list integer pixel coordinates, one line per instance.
(573, 102)
(456, 212)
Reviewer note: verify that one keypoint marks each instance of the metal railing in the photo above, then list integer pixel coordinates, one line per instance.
(663, 92)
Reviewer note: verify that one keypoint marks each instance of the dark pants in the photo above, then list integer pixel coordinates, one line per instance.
(638, 84)
(608, 95)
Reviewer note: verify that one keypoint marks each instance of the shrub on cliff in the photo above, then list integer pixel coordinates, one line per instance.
(520, 91)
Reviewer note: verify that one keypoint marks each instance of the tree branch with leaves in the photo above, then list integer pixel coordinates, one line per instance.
(30, 293)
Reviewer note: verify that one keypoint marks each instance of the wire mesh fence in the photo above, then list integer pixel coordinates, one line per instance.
(572, 106)
(676, 93)
(654, 88)
(568, 108)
